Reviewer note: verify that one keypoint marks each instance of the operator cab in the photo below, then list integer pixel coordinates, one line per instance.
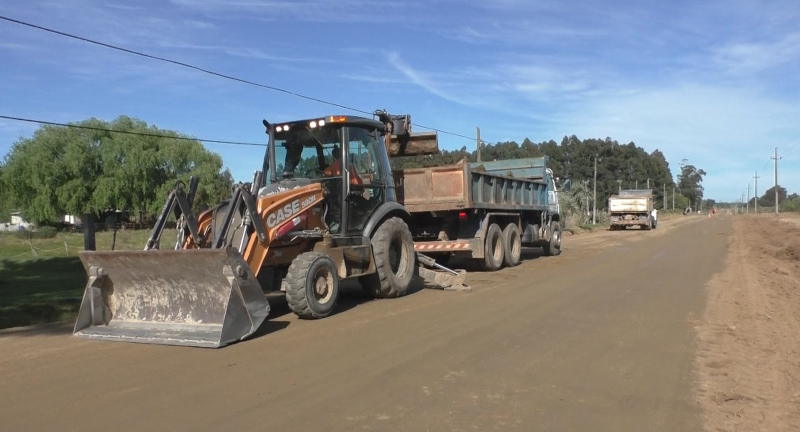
(345, 154)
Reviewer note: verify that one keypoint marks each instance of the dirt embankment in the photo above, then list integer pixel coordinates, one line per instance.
(749, 339)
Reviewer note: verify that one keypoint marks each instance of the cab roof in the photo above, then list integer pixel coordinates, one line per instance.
(347, 120)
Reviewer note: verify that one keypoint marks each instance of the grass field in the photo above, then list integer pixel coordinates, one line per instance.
(43, 280)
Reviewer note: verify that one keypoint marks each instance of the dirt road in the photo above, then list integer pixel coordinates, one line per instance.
(601, 338)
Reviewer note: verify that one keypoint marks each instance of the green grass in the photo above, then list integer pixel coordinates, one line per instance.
(49, 287)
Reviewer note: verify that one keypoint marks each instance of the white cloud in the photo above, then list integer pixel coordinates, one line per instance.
(313, 10)
(201, 25)
(420, 79)
(751, 57)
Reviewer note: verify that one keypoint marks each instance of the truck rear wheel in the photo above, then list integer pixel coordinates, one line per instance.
(513, 245)
(494, 248)
(312, 285)
(553, 248)
(393, 251)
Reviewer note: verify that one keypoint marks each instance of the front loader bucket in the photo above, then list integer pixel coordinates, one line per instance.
(196, 297)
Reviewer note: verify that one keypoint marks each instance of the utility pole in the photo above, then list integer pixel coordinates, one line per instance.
(479, 143)
(586, 198)
(776, 179)
(664, 194)
(748, 197)
(673, 197)
(637, 184)
(755, 192)
(594, 193)
(619, 186)
(648, 183)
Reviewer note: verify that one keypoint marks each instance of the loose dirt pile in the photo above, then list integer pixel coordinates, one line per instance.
(749, 339)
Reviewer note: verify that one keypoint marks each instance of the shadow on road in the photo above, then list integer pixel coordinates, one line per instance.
(50, 329)
(350, 296)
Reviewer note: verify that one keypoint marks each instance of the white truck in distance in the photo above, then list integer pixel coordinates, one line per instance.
(632, 208)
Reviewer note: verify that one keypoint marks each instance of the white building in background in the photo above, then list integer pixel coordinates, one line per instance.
(17, 223)
(72, 220)
(16, 218)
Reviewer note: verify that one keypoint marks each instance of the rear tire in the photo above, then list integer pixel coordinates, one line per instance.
(312, 285)
(553, 248)
(494, 248)
(393, 251)
(512, 243)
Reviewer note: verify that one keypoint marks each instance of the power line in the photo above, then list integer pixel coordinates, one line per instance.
(99, 129)
(791, 153)
(210, 72)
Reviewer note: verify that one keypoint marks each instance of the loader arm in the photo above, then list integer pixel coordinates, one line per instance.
(297, 211)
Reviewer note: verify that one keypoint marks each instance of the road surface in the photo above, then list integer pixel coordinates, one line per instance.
(599, 338)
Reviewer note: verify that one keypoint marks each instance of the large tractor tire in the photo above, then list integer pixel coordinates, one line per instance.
(494, 249)
(553, 248)
(393, 250)
(512, 243)
(312, 285)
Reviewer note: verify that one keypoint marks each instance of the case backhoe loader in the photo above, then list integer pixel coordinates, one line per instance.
(321, 209)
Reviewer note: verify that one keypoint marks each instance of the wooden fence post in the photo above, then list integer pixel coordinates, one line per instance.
(88, 232)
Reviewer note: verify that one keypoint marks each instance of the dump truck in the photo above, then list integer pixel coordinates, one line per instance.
(632, 207)
(323, 208)
(482, 211)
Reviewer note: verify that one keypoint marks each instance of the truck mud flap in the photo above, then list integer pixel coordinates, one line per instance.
(198, 297)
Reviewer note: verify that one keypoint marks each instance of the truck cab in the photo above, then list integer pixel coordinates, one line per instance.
(346, 155)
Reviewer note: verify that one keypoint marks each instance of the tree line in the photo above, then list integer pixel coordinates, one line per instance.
(787, 201)
(71, 171)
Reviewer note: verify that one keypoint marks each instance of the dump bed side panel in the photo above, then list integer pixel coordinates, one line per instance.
(454, 187)
(432, 189)
(503, 193)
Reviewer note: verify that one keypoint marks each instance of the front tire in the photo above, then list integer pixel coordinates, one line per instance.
(312, 285)
(393, 251)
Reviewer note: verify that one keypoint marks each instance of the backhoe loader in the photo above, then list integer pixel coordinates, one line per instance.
(322, 209)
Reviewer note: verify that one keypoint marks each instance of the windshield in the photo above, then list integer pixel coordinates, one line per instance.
(304, 152)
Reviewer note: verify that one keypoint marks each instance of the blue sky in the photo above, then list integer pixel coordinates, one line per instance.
(714, 82)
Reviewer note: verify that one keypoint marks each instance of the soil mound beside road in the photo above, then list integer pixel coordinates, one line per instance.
(748, 358)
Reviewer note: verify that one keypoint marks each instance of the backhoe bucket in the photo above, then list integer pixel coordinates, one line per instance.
(196, 297)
